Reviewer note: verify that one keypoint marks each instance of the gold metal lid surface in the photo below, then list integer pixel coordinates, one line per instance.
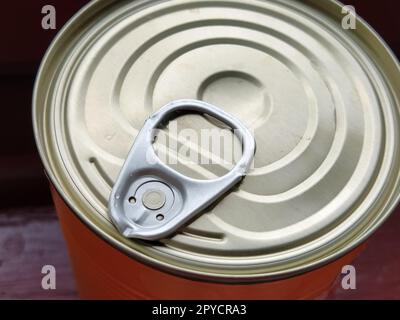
(323, 103)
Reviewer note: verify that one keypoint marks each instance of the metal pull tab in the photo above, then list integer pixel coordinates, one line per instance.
(150, 200)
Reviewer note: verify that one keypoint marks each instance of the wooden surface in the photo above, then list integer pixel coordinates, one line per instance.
(31, 238)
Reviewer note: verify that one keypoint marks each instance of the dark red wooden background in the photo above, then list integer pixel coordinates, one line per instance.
(26, 215)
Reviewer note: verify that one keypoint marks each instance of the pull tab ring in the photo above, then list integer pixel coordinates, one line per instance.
(150, 200)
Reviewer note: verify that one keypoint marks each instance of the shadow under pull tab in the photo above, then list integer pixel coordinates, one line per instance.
(151, 200)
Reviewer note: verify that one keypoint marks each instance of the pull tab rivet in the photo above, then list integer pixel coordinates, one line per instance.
(153, 199)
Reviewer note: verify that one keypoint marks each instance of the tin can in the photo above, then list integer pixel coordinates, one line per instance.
(323, 104)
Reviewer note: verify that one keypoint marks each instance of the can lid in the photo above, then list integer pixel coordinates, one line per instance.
(322, 101)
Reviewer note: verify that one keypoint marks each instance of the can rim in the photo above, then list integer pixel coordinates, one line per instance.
(177, 269)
